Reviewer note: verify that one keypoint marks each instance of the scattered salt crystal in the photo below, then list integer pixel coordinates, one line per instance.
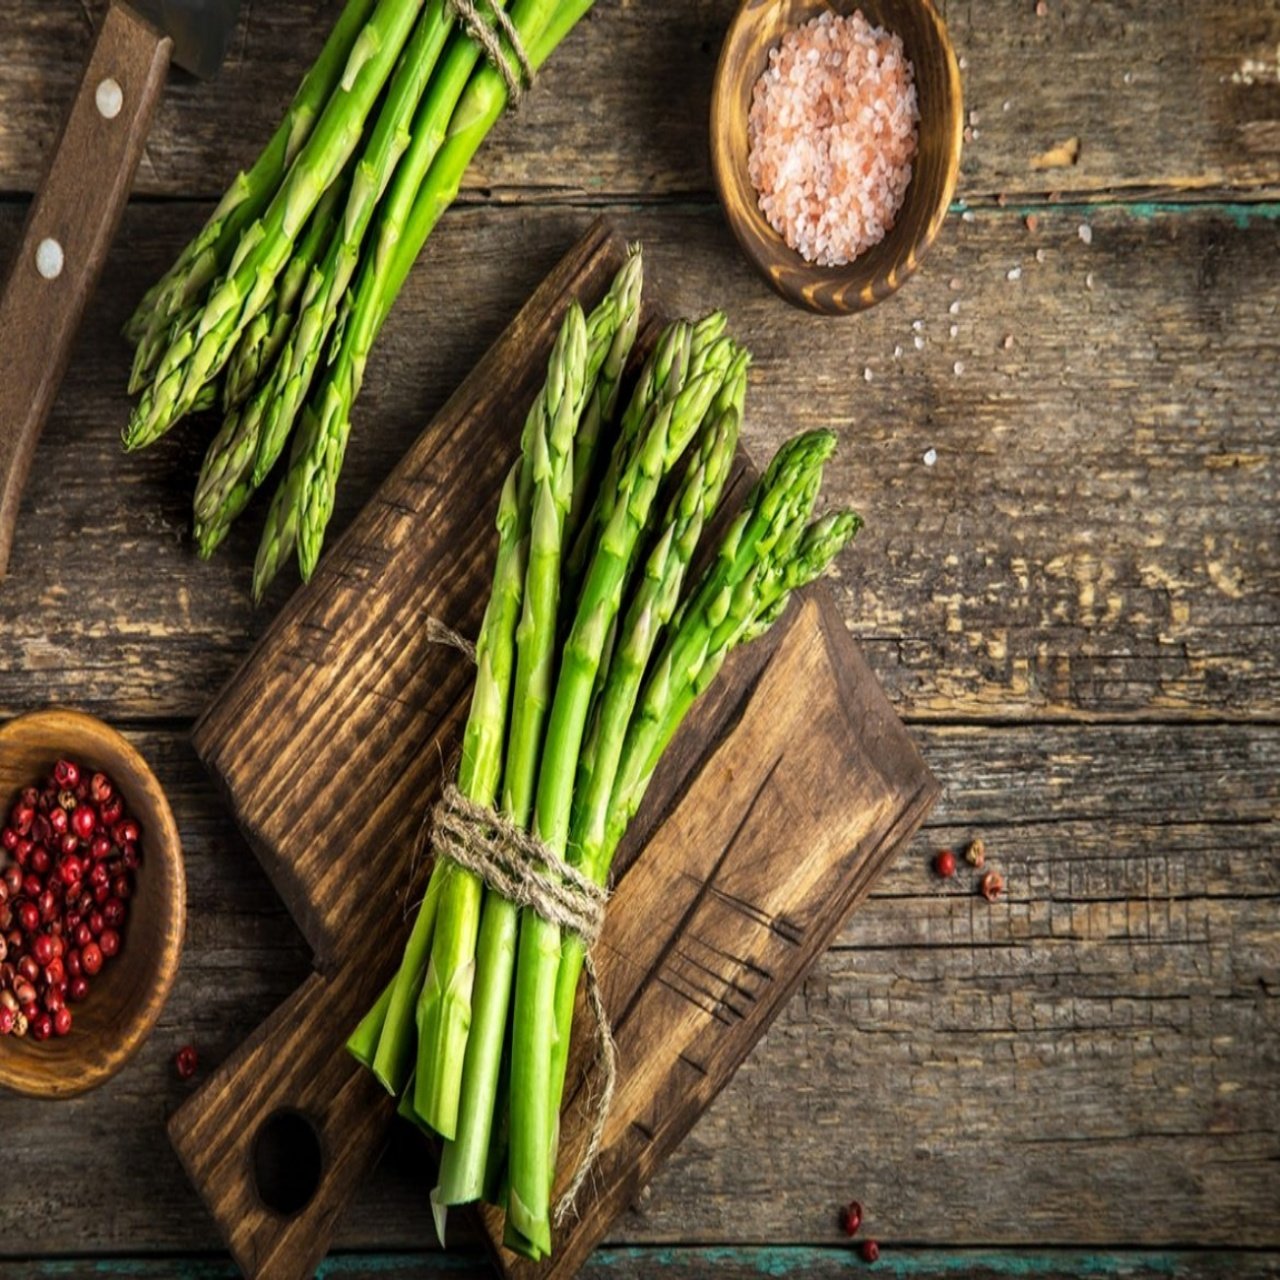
(1005, 105)
(1008, 341)
(897, 352)
(964, 63)
(1040, 255)
(955, 328)
(973, 117)
(954, 308)
(1031, 222)
(930, 457)
(1042, 9)
(1128, 77)
(968, 133)
(918, 325)
(958, 367)
(977, 133)
(919, 341)
(968, 216)
(1014, 273)
(866, 374)
(832, 136)
(1088, 280)
(955, 283)
(1085, 232)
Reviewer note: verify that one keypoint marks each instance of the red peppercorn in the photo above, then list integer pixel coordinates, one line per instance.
(130, 858)
(100, 788)
(111, 812)
(10, 839)
(23, 816)
(59, 823)
(13, 880)
(91, 959)
(4, 951)
(66, 773)
(47, 903)
(945, 864)
(109, 943)
(83, 935)
(62, 1021)
(69, 843)
(77, 989)
(869, 1250)
(96, 923)
(100, 848)
(30, 797)
(53, 1000)
(70, 869)
(28, 968)
(991, 886)
(73, 964)
(55, 972)
(186, 1062)
(99, 875)
(84, 821)
(24, 992)
(851, 1218)
(42, 949)
(32, 885)
(29, 917)
(101, 893)
(113, 913)
(7, 1017)
(41, 1026)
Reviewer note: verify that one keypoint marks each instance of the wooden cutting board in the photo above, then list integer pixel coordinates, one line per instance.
(773, 812)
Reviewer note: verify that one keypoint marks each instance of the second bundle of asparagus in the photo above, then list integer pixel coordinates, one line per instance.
(272, 309)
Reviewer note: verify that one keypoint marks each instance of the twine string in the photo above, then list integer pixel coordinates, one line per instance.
(467, 12)
(523, 870)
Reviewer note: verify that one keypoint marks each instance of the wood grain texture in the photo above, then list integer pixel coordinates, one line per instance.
(75, 213)
(885, 267)
(745, 1262)
(345, 697)
(1096, 539)
(126, 1000)
(1161, 97)
(1111, 1030)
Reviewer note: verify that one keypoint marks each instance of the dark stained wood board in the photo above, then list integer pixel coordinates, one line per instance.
(332, 740)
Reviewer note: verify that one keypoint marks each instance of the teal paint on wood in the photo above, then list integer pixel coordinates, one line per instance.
(798, 1262)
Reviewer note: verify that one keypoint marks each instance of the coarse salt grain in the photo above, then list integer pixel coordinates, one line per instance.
(919, 341)
(1014, 273)
(955, 329)
(866, 374)
(832, 134)
(954, 308)
(930, 457)
(958, 367)
(1085, 232)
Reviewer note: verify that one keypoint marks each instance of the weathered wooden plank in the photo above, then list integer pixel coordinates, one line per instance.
(1097, 537)
(623, 108)
(1095, 1058)
(786, 1262)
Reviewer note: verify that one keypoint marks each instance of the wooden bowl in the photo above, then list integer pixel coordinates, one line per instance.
(875, 274)
(127, 996)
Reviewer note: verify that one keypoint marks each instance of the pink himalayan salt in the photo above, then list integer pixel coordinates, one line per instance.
(832, 133)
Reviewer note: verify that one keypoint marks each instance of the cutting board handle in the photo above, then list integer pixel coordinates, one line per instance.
(67, 234)
(286, 1129)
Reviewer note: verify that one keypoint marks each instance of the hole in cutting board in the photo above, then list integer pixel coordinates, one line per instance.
(287, 1161)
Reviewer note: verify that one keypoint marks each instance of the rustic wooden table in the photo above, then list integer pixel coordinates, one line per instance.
(1075, 604)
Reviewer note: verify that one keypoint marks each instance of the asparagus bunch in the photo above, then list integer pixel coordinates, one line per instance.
(273, 308)
(591, 653)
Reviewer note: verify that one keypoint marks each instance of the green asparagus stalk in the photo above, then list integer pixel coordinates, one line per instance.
(445, 1006)
(426, 183)
(648, 614)
(663, 441)
(463, 1163)
(201, 350)
(604, 396)
(209, 252)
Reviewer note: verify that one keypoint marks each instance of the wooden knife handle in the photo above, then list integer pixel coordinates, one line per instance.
(67, 234)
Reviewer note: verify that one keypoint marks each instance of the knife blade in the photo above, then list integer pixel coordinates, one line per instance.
(76, 210)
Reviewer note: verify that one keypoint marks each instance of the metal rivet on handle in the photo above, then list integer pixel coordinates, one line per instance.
(109, 98)
(49, 258)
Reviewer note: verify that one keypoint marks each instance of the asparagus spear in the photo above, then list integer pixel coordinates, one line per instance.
(209, 252)
(202, 348)
(647, 616)
(426, 183)
(463, 1161)
(444, 1016)
(662, 442)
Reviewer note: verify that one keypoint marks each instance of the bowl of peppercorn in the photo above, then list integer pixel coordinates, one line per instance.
(92, 902)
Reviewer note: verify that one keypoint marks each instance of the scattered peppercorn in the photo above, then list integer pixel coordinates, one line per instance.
(72, 851)
(944, 863)
(851, 1218)
(185, 1062)
(976, 854)
(991, 885)
(869, 1250)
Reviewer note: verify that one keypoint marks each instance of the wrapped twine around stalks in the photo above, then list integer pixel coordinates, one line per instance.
(468, 14)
